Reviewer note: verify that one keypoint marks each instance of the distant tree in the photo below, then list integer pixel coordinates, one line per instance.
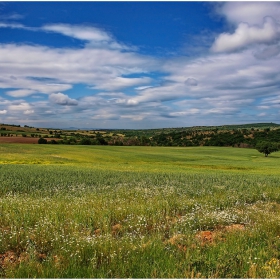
(42, 141)
(267, 148)
(85, 141)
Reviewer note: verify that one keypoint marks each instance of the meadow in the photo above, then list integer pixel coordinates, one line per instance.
(138, 212)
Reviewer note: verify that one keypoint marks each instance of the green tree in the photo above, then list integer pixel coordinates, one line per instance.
(42, 141)
(85, 141)
(267, 148)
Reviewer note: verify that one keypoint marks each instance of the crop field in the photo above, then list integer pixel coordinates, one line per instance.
(138, 212)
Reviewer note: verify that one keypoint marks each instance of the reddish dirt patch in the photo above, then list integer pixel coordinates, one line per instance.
(22, 140)
(116, 229)
(208, 237)
(16, 139)
(205, 236)
(179, 241)
(8, 258)
(97, 231)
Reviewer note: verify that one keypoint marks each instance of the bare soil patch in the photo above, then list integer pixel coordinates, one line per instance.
(207, 236)
(22, 140)
(19, 139)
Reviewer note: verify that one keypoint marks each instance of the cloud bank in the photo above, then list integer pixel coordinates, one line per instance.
(110, 84)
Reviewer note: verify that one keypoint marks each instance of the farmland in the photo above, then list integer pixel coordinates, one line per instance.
(247, 135)
(138, 212)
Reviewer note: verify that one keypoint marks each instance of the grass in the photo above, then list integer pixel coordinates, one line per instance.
(138, 212)
(148, 159)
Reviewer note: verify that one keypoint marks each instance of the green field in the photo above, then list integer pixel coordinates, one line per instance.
(138, 212)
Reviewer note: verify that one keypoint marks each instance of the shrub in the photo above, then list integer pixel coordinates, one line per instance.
(42, 141)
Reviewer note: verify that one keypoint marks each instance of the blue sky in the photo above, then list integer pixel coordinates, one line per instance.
(139, 64)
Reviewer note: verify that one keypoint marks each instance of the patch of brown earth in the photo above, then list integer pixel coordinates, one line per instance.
(8, 258)
(22, 140)
(178, 241)
(205, 236)
(208, 237)
(97, 232)
(116, 229)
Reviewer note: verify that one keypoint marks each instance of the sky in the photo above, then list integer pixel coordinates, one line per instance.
(139, 65)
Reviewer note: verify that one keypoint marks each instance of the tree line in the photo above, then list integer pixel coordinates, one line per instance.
(249, 138)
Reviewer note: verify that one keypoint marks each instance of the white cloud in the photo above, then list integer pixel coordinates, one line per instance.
(121, 82)
(143, 87)
(250, 11)
(62, 99)
(246, 34)
(79, 32)
(20, 106)
(95, 37)
(12, 25)
(31, 67)
(28, 112)
(3, 112)
(20, 92)
(192, 91)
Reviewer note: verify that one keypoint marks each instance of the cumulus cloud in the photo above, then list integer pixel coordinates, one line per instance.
(3, 112)
(251, 12)
(246, 34)
(62, 99)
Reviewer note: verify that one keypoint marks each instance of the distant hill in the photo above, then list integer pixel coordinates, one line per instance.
(236, 135)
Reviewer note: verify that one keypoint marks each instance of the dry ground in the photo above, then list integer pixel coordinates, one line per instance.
(20, 139)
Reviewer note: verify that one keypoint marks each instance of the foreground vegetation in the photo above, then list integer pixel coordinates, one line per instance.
(138, 212)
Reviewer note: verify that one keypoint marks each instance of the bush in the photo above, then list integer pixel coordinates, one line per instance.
(85, 141)
(42, 141)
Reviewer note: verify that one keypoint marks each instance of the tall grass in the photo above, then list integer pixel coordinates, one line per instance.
(78, 220)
